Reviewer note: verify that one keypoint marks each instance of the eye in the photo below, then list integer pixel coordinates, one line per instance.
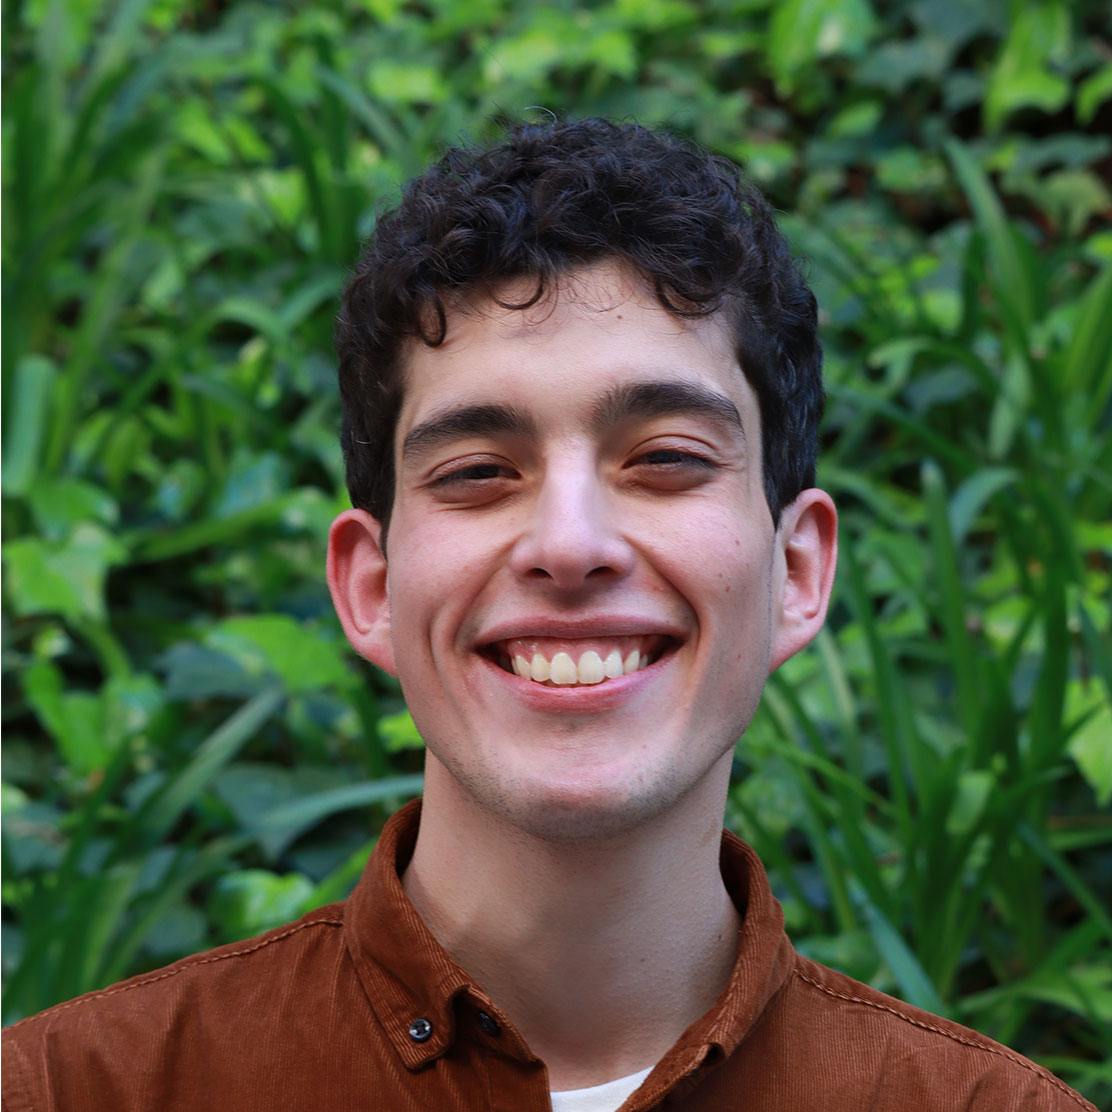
(471, 481)
(472, 473)
(674, 457)
(671, 467)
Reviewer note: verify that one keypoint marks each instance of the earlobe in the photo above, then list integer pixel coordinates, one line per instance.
(357, 580)
(806, 558)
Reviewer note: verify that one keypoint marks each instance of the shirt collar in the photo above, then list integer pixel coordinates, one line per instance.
(408, 976)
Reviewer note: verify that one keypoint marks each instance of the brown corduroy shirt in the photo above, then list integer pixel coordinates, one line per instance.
(356, 1006)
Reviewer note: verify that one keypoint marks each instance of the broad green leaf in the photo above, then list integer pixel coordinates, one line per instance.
(64, 578)
(251, 901)
(1073, 198)
(801, 32)
(1039, 38)
(859, 118)
(179, 931)
(75, 719)
(399, 732)
(851, 952)
(525, 57)
(195, 672)
(612, 51)
(59, 505)
(392, 82)
(302, 658)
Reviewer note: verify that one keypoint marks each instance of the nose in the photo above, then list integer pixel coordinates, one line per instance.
(572, 535)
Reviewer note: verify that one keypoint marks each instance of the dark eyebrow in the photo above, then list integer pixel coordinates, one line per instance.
(469, 420)
(661, 399)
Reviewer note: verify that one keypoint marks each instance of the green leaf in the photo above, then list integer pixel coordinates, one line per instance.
(339, 883)
(251, 901)
(1091, 743)
(162, 809)
(1022, 78)
(279, 827)
(1011, 269)
(305, 812)
(803, 31)
(60, 505)
(915, 986)
(64, 578)
(972, 496)
(1093, 92)
(75, 719)
(947, 574)
(26, 415)
(1087, 360)
(399, 732)
(1072, 198)
(973, 789)
(406, 82)
(301, 657)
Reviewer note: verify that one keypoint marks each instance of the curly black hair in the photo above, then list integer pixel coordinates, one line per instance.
(557, 196)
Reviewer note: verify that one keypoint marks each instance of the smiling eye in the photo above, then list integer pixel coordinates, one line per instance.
(472, 473)
(671, 469)
(674, 458)
(472, 482)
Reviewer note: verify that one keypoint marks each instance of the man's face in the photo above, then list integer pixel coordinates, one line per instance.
(584, 589)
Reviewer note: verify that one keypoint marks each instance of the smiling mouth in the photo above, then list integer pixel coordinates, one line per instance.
(585, 662)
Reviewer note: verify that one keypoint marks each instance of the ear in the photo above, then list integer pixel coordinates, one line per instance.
(357, 580)
(807, 552)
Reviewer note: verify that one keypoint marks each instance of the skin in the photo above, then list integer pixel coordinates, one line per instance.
(584, 473)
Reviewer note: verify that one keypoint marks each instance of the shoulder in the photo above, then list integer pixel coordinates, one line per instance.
(168, 985)
(903, 1047)
(133, 1032)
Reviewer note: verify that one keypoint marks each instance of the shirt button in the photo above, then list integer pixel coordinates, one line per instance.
(420, 1030)
(488, 1023)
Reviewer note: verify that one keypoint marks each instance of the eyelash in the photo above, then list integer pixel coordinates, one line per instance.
(680, 458)
(466, 474)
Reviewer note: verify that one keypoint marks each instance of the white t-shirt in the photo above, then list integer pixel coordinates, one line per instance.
(599, 1098)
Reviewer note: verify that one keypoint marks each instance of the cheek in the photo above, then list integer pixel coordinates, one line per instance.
(435, 573)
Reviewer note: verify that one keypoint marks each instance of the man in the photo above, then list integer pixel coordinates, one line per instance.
(581, 387)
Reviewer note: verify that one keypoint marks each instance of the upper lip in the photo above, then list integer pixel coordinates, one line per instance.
(595, 625)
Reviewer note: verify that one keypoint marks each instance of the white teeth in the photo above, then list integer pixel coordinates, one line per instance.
(590, 668)
(563, 670)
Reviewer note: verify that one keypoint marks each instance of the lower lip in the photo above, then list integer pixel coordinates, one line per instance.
(577, 697)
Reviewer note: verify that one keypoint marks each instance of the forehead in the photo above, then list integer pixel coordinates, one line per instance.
(595, 332)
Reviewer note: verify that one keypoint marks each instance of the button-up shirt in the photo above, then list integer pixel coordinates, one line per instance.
(356, 1006)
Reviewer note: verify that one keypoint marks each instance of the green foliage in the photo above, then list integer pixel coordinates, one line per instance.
(190, 752)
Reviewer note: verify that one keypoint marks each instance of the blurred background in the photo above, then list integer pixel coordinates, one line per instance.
(192, 754)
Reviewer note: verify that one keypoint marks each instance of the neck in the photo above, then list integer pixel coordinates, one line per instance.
(602, 953)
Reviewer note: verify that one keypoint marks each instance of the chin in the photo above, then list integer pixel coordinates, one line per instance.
(582, 810)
